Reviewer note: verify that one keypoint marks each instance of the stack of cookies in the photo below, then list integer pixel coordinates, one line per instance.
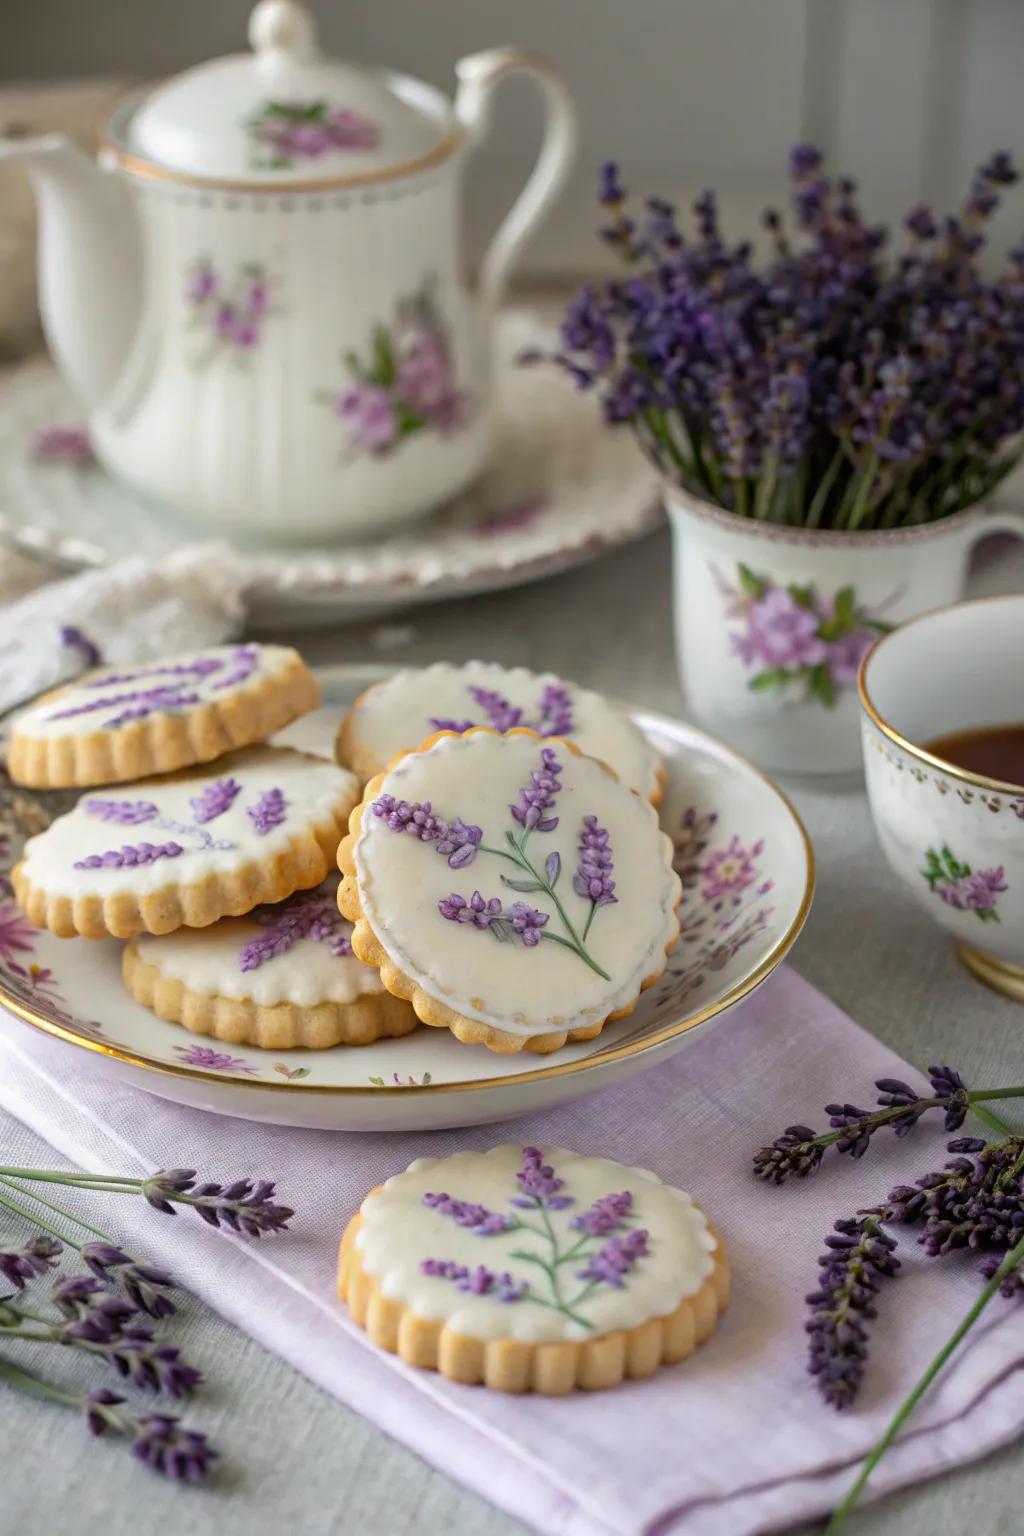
(211, 852)
(503, 875)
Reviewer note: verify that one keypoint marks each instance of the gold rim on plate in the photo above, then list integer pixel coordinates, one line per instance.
(327, 675)
(922, 755)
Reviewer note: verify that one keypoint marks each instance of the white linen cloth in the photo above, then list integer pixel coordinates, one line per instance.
(730, 1443)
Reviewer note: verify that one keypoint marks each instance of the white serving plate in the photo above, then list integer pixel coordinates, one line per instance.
(748, 873)
(561, 490)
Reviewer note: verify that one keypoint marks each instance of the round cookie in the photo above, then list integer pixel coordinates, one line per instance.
(187, 848)
(533, 901)
(395, 714)
(117, 725)
(285, 976)
(530, 1269)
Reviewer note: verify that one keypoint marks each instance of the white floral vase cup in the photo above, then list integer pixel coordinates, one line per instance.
(955, 838)
(258, 296)
(772, 622)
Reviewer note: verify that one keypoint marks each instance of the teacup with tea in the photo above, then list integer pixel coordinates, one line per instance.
(942, 702)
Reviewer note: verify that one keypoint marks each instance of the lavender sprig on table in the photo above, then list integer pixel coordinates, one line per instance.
(837, 385)
(858, 1255)
(799, 1150)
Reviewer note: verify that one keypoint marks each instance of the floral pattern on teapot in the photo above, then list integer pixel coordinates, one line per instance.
(792, 635)
(283, 133)
(404, 383)
(229, 314)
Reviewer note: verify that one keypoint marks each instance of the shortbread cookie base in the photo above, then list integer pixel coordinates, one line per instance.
(350, 753)
(165, 743)
(511, 1365)
(302, 863)
(368, 948)
(281, 1027)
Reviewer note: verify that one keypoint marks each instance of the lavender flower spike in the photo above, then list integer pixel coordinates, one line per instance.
(268, 812)
(127, 812)
(616, 1258)
(128, 857)
(539, 1183)
(593, 878)
(556, 717)
(479, 1220)
(18, 1265)
(457, 842)
(859, 1256)
(479, 1281)
(158, 1440)
(538, 796)
(527, 922)
(215, 799)
(605, 1215)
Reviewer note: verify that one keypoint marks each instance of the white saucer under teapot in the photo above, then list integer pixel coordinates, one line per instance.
(258, 293)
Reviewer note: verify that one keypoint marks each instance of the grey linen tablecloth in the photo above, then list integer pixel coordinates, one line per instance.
(297, 1455)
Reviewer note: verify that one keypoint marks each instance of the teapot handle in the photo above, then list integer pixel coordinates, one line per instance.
(478, 75)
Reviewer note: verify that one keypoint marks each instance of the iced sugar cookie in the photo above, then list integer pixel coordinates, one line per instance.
(127, 723)
(533, 1269)
(401, 711)
(188, 848)
(515, 891)
(284, 976)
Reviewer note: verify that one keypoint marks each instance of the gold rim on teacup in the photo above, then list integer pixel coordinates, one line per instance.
(921, 754)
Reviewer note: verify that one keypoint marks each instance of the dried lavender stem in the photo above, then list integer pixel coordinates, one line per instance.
(58, 1210)
(35, 1386)
(35, 1220)
(1012, 1260)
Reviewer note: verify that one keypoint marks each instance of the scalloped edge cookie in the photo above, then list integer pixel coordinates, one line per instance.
(302, 863)
(164, 743)
(349, 752)
(513, 1365)
(429, 1010)
(279, 1027)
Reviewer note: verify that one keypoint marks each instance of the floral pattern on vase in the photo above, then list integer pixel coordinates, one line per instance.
(961, 887)
(792, 636)
(282, 133)
(404, 384)
(229, 313)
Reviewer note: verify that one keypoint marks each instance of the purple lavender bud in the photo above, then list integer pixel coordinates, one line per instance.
(77, 640)
(556, 718)
(804, 159)
(34, 1258)
(593, 879)
(269, 811)
(605, 1215)
(616, 1258)
(144, 1284)
(611, 192)
(527, 922)
(307, 915)
(859, 1254)
(479, 1281)
(477, 1218)
(215, 799)
(539, 795)
(539, 1183)
(792, 1153)
(129, 857)
(164, 1445)
(98, 1421)
(128, 812)
(501, 715)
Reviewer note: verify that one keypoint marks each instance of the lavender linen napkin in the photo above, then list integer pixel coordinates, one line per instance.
(731, 1443)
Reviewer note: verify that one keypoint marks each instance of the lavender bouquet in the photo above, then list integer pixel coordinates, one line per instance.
(840, 386)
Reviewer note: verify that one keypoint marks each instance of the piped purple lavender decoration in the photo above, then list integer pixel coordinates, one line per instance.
(127, 812)
(593, 879)
(215, 799)
(308, 915)
(502, 715)
(539, 1183)
(479, 1220)
(538, 796)
(605, 1215)
(519, 920)
(243, 664)
(457, 841)
(269, 811)
(129, 857)
(554, 714)
(556, 718)
(615, 1259)
(479, 1281)
(162, 699)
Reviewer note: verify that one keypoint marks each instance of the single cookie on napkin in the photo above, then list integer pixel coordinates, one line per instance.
(281, 978)
(565, 916)
(121, 724)
(394, 715)
(187, 848)
(530, 1269)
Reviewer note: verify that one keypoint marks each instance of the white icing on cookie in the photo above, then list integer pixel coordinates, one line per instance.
(400, 712)
(537, 980)
(248, 805)
(295, 952)
(399, 1231)
(119, 697)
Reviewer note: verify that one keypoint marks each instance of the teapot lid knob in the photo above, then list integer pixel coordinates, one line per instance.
(279, 27)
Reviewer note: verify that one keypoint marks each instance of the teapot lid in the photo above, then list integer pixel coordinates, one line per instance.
(285, 115)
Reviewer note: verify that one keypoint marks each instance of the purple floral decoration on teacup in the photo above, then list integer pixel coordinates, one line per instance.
(962, 888)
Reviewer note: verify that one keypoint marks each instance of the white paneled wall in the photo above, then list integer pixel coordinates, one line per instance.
(905, 94)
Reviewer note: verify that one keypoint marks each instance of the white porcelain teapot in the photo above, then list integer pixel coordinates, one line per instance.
(258, 293)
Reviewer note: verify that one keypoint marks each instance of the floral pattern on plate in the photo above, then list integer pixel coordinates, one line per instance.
(963, 888)
(794, 636)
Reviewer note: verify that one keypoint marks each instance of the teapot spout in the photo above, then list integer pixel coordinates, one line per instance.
(90, 262)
